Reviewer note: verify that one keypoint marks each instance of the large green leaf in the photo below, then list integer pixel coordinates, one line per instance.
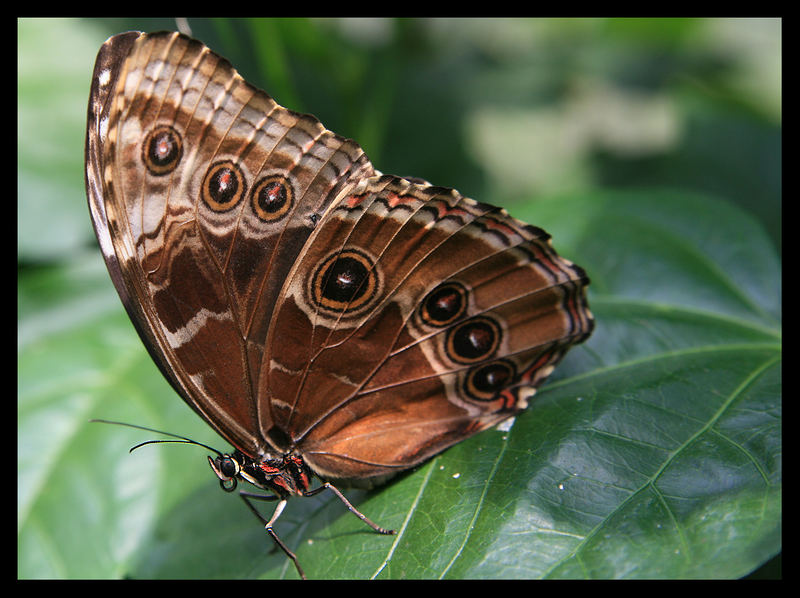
(654, 452)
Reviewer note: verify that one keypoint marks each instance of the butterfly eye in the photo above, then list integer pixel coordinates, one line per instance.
(162, 150)
(223, 186)
(228, 466)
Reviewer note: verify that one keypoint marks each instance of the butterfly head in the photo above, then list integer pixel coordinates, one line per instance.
(227, 469)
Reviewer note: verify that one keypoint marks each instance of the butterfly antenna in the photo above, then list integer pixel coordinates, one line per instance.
(180, 439)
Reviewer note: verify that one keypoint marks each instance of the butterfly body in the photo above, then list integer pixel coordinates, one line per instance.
(324, 318)
(286, 475)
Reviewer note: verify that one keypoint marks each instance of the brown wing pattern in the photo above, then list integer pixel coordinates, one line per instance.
(293, 296)
(203, 191)
(414, 318)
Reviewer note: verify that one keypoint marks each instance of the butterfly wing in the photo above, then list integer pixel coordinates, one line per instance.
(202, 192)
(414, 318)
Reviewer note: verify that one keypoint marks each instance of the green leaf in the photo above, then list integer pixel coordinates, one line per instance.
(653, 452)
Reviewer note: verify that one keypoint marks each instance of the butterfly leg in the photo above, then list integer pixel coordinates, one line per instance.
(353, 510)
(246, 496)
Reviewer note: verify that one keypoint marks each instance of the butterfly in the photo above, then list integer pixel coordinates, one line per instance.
(325, 319)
